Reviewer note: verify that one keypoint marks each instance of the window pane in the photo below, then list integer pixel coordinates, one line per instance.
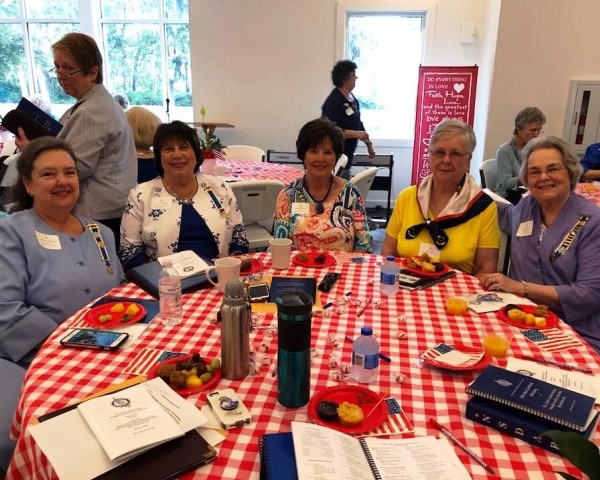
(64, 9)
(177, 10)
(387, 48)
(178, 65)
(130, 10)
(133, 62)
(41, 37)
(12, 60)
(10, 9)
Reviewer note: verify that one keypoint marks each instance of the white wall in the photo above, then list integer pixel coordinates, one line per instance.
(542, 45)
(264, 65)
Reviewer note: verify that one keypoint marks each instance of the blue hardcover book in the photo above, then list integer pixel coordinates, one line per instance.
(525, 426)
(559, 405)
(41, 117)
(277, 457)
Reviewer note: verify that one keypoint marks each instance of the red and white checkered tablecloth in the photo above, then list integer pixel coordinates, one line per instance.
(59, 375)
(262, 171)
(590, 190)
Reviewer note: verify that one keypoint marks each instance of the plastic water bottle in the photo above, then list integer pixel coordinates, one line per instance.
(365, 357)
(389, 276)
(169, 295)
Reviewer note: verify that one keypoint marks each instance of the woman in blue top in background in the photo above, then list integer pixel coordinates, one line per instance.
(52, 263)
(342, 108)
(181, 209)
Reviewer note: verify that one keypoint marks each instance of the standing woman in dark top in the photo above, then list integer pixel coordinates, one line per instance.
(342, 108)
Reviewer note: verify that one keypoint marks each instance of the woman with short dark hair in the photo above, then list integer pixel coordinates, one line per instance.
(321, 211)
(555, 239)
(181, 209)
(343, 109)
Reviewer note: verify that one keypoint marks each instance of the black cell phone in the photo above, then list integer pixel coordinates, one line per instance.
(98, 339)
(258, 292)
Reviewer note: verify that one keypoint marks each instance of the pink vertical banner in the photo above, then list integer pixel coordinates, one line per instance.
(443, 93)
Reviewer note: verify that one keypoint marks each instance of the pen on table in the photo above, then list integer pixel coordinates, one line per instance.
(330, 304)
(557, 364)
(450, 436)
(385, 358)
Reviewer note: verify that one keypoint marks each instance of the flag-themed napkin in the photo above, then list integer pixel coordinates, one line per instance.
(552, 339)
(451, 356)
(146, 358)
(397, 422)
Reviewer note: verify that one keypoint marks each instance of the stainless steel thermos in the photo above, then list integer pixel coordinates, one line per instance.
(236, 325)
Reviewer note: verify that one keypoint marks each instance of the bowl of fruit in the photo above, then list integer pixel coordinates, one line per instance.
(188, 374)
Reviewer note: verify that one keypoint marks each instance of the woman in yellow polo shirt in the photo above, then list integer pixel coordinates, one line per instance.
(447, 215)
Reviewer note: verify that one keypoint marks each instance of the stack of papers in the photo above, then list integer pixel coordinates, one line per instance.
(187, 263)
(105, 432)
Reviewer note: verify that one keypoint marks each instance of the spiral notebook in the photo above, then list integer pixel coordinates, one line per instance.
(314, 452)
(557, 404)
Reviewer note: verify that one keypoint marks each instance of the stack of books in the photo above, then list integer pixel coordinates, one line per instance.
(526, 407)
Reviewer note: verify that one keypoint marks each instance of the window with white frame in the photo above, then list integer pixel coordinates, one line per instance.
(387, 42)
(144, 43)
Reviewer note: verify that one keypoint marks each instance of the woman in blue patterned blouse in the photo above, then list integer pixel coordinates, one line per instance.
(182, 209)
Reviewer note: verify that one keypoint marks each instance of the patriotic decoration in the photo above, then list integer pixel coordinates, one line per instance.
(218, 154)
(457, 358)
(552, 339)
(147, 358)
(397, 422)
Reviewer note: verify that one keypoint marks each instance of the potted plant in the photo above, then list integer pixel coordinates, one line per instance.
(209, 142)
(580, 451)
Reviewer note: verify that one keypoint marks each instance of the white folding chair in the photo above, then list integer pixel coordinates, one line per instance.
(257, 199)
(340, 165)
(488, 173)
(363, 181)
(244, 152)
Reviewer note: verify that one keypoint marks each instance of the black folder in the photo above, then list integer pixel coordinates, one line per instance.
(146, 277)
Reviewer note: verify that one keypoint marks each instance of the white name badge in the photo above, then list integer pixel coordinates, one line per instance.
(525, 229)
(301, 208)
(349, 111)
(161, 203)
(49, 242)
(430, 249)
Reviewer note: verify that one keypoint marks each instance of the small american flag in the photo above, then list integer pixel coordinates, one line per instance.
(397, 422)
(218, 154)
(144, 360)
(433, 354)
(552, 339)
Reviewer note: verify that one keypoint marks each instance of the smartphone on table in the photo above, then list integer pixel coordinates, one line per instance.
(92, 338)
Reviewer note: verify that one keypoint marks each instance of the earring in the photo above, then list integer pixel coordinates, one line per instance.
(29, 193)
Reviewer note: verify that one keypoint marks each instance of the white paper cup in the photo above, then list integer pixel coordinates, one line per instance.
(281, 250)
(227, 268)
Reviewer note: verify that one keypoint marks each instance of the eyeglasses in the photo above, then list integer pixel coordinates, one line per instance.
(550, 171)
(441, 154)
(65, 70)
